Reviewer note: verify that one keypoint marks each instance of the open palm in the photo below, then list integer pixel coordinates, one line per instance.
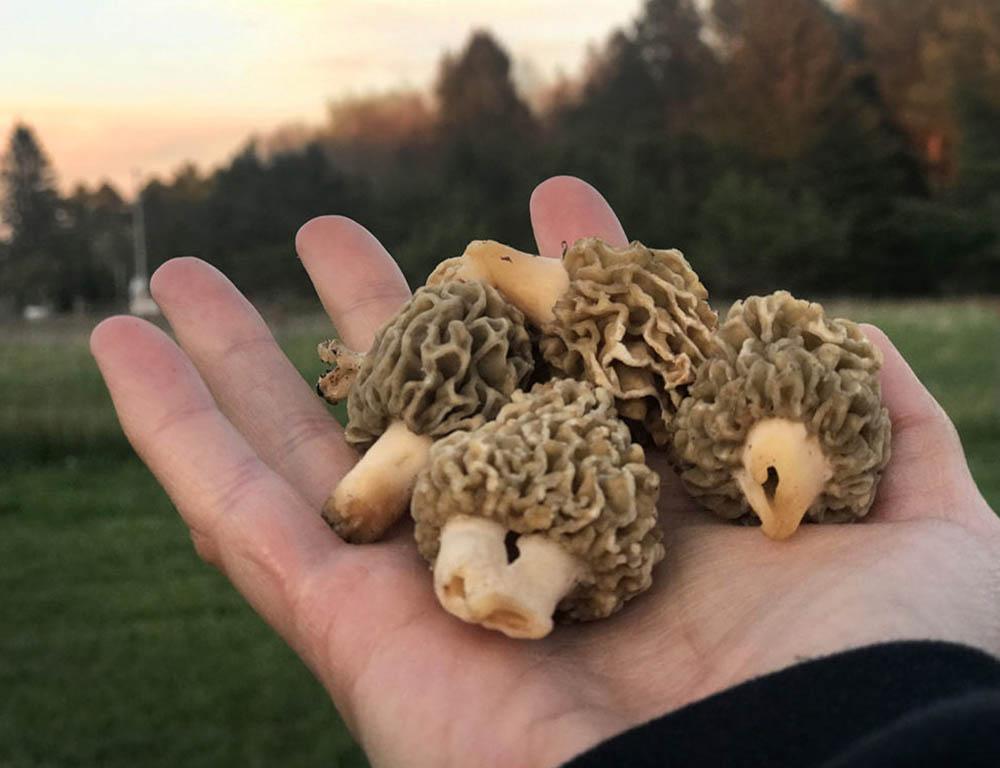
(248, 453)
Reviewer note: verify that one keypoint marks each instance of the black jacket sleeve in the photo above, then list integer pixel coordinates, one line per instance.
(898, 704)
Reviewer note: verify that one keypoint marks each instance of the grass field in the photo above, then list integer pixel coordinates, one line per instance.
(119, 648)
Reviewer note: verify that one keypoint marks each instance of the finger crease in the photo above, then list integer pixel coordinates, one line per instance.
(303, 431)
(177, 418)
(384, 296)
(235, 488)
(241, 346)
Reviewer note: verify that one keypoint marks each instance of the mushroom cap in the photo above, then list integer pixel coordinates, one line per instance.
(449, 360)
(636, 321)
(556, 461)
(782, 357)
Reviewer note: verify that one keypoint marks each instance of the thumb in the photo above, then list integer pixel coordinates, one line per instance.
(928, 475)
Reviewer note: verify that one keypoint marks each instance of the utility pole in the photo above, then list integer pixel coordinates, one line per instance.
(140, 302)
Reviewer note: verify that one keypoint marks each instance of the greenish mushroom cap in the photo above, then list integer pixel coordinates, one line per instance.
(449, 360)
(556, 461)
(782, 357)
(635, 321)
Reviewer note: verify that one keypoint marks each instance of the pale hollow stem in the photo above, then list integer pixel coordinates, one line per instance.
(533, 284)
(474, 581)
(334, 385)
(376, 492)
(784, 469)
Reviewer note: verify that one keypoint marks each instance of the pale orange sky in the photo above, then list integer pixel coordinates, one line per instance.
(111, 86)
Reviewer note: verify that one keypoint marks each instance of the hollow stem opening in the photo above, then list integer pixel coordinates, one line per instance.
(783, 471)
(475, 579)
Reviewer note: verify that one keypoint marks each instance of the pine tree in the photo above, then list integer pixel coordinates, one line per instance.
(485, 140)
(29, 207)
(476, 93)
(977, 187)
(99, 244)
(668, 37)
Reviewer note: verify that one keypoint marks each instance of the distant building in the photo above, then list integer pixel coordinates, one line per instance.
(35, 312)
(140, 302)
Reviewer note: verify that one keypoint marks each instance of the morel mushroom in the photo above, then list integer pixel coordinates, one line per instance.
(449, 360)
(785, 421)
(558, 472)
(634, 320)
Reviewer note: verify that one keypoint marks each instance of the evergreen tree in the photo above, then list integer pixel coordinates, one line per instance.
(485, 142)
(668, 37)
(98, 235)
(978, 187)
(476, 93)
(631, 131)
(979, 150)
(755, 238)
(181, 219)
(29, 207)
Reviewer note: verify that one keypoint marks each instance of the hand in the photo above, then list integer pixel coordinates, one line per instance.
(248, 453)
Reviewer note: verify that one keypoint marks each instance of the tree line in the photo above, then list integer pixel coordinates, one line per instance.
(776, 142)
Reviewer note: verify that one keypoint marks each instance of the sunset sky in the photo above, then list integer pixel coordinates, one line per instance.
(111, 86)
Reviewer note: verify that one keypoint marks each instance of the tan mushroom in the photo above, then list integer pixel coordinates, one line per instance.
(557, 478)
(785, 422)
(449, 360)
(633, 320)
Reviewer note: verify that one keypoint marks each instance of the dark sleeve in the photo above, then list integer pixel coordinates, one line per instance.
(898, 704)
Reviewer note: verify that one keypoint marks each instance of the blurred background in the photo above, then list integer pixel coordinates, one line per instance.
(848, 151)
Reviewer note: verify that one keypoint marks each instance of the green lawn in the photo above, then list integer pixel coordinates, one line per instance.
(119, 648)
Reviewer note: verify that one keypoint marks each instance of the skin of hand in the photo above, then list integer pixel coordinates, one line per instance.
(248, 453)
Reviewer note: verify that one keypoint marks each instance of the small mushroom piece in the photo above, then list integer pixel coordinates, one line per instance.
(785, 421)
(449, 360)
(634, 320)
(530, 283)
(549, 509)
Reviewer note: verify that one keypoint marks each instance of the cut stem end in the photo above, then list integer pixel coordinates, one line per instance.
(376, 492)
(533, 284)
(784, 470)
(474, 580)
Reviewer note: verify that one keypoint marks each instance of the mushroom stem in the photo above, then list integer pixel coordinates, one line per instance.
(784, 470)
(474, 580)
(533, 284)
(336, 383)
(376, 492)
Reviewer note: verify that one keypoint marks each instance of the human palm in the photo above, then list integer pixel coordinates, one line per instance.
(248, 453)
